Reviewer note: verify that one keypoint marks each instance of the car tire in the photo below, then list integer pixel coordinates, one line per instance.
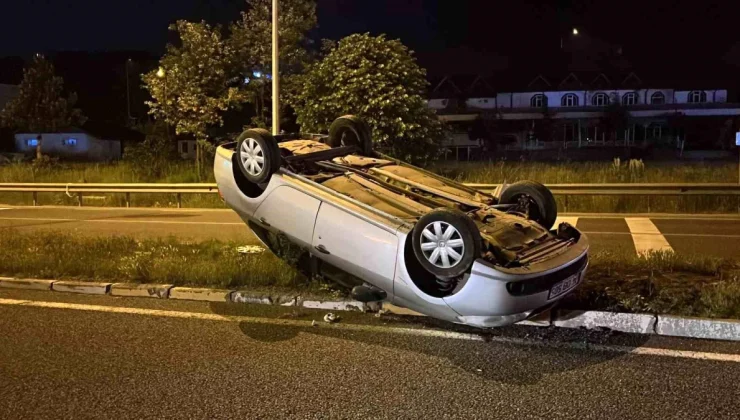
(350, 130)
(258, 155)
(541, 205)
(433, 242)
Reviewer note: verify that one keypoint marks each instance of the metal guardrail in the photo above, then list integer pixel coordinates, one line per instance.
(696, 189)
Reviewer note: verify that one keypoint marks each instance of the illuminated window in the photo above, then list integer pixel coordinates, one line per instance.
(69, 142)
(657, 98)
(32, 142)
(538, 101)
(600, 99)
(697, 96)
(569, 100)
(629, 98)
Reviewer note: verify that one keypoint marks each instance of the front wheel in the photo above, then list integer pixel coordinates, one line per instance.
(446, 242)
(258, 155)
(533, 200)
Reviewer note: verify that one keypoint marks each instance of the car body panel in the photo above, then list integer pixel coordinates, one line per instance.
(370, 255)
(362, 233)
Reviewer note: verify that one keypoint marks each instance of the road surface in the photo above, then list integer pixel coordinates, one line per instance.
(76, 356)
(692, 234)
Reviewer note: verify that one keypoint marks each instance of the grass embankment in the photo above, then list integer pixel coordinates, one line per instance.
(476, 172)
(660, 283)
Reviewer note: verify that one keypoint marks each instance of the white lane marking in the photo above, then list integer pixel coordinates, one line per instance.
(690, 235)
(646, 236)
(572, 220)
(643, 351)
(165, 222)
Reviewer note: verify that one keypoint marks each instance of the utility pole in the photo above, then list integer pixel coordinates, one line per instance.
(275, 71)
(128, 93)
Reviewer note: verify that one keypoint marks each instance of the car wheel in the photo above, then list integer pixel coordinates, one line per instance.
(446, 242)
(258, 155)
(350, 130)
(533, 200)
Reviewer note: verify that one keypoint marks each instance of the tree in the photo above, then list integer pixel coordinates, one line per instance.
(616, 118)
(191, 89)
(251, 39)
(39, 106)
(380, 81)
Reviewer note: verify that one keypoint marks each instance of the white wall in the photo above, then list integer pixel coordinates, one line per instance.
(438, 103)
(481, 103)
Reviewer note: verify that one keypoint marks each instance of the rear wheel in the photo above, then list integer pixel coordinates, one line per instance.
(258, 155)
(446, 242)
(533, 200)
(350, 130)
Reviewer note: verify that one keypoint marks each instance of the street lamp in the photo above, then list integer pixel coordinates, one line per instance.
(128, 92)
(275, 71)
(162, 75)
(575, 31)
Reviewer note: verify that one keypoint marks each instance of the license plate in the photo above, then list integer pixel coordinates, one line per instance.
(564, 286)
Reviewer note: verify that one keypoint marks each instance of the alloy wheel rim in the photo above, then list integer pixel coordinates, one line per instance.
(442, 244)
(252, 156)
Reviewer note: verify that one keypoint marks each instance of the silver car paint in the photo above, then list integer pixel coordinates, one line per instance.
(375, 251)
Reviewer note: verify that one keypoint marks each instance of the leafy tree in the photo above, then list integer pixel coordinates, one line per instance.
(39, 106)
(251, 39)
(191, 89)
(380, 81)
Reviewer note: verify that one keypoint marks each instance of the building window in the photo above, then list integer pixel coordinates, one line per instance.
(184, 147)
(538, 101)
(655, 131)
(697, 97)
(629, 98)
(657, 98)
(600, 99)
(69, 142)
(32, 142)
(569, 100)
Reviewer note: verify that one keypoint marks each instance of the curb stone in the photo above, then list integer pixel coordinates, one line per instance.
(717, 329)
(160, 291)
(333, 305)
(667, 325)
(28, 284)
(201, 294)
(624, 322)
(88, 288)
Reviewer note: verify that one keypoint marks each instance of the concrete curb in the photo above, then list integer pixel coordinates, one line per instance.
(201, 294)
(88, 288)
(27, 284)
(715, 329)
(161, 291)
(667, 325)
(624, 322)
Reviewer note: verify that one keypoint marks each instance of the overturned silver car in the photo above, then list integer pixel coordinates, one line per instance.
(397, 233)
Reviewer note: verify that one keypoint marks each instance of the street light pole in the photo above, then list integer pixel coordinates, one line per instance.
(275, 71)
(128, 93)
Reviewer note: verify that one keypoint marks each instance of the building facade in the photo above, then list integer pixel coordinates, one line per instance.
(573, 114)
(73, 145)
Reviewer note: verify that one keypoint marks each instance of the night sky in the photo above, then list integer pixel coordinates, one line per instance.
(470, 36)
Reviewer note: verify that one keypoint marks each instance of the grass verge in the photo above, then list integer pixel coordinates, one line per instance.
(616, 281)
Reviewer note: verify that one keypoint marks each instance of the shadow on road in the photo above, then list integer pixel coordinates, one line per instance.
(552, 350)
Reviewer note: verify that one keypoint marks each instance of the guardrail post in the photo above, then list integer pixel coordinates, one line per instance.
(36, 201)
(128, 199)
(565, 208)
(79, 199)
(179, 200)
(648, 197)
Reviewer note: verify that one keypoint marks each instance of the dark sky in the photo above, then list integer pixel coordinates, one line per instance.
(473, 33)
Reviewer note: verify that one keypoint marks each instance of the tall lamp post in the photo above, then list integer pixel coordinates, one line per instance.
(128, 92)
(275, 71)
(163, 75)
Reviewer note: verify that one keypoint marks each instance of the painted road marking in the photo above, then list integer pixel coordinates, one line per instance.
(572, 220)
(165, 222)
(646, 236)
(642, 351)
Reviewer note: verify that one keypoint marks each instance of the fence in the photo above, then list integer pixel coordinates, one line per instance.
(697, 189)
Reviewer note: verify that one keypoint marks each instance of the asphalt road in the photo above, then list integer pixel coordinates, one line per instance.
(169, 359)
(702, 234)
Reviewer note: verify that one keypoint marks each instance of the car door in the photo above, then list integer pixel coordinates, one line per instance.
(356, 245)
(290, 212)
